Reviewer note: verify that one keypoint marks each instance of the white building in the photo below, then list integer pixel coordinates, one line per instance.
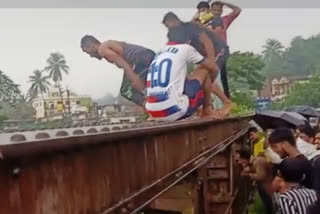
(50, 104)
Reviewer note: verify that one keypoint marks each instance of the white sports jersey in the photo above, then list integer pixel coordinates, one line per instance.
(166, 80)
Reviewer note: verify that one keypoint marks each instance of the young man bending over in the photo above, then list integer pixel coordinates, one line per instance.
(133, 59)
(171, 94)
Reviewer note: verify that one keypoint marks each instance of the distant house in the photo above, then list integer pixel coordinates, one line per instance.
(278, 88)
(50, 105)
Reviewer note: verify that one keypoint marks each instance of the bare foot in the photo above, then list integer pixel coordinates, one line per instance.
(227, 108)
(199, 112)
(210, 113)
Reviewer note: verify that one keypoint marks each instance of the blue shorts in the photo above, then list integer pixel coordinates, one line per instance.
(193, 89)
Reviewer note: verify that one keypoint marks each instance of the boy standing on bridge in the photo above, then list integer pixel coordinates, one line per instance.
(133, 59)
(171, 95)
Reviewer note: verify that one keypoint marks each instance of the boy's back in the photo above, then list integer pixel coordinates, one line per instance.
(166, 80)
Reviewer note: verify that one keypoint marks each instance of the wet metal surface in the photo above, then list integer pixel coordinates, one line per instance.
(105, 172)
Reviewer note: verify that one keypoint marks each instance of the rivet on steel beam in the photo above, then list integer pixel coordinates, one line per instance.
(42, 135)
(78, 132)
(62, 134)
(18, 138)
(130, 206)
(92, 130)
(16, 171)
(105, 129)
(116, 128)
(179, 174)
(123, 210)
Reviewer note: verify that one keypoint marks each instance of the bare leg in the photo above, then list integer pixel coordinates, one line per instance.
(207, 105)
(227, 103)
(203, 77)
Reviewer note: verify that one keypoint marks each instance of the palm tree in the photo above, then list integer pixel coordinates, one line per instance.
(272, 48)
(57, 64)
(39, 85)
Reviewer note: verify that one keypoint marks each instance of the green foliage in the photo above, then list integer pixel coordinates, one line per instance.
(9, 91)
(21, 111)
(305, 94)
(244, 71)
(39, 83)
(272, 49)
(245, 68)
(142, 117)
(57, 65)
(244, 98)
(300, 59)
(241, 110)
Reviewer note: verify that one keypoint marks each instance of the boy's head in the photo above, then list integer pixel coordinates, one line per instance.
(306, 133)
(203, 6)
(204, 12)
(253, 134)
(244, 157)
(280, 139)
(291, 171)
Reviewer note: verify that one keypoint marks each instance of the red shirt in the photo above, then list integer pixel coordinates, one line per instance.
(227, 20)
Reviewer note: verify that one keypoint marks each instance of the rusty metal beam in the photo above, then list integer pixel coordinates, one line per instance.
(117, 172)
(155, 190)
(14, 150)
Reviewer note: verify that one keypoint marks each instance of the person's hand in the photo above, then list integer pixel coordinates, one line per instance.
(245, 171)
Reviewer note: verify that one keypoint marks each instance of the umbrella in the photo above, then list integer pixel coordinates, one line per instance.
(274, 119)
(306, 111)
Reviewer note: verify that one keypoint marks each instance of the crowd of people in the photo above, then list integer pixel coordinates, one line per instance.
(160, 82)
(285, 166)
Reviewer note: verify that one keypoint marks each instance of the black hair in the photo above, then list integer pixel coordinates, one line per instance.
(217, 4)
(282, 134)
(293, 170)
(306, 129)
(170, 16)
(203, 4)
(178, 34)
(244, 153)
(87, 39)
(252, 129)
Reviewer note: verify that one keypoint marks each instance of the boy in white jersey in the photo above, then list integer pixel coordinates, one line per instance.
(171, 95)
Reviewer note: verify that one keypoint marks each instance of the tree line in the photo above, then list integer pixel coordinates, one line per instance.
(250, 72)
(14, 105)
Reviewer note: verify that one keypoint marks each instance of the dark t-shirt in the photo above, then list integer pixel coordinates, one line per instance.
(194, 31)
(300, 165)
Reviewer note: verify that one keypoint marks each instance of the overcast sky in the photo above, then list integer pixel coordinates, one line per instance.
(28, 36)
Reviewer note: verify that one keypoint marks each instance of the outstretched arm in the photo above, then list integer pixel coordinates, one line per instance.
(232, 6)
(113, 57)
